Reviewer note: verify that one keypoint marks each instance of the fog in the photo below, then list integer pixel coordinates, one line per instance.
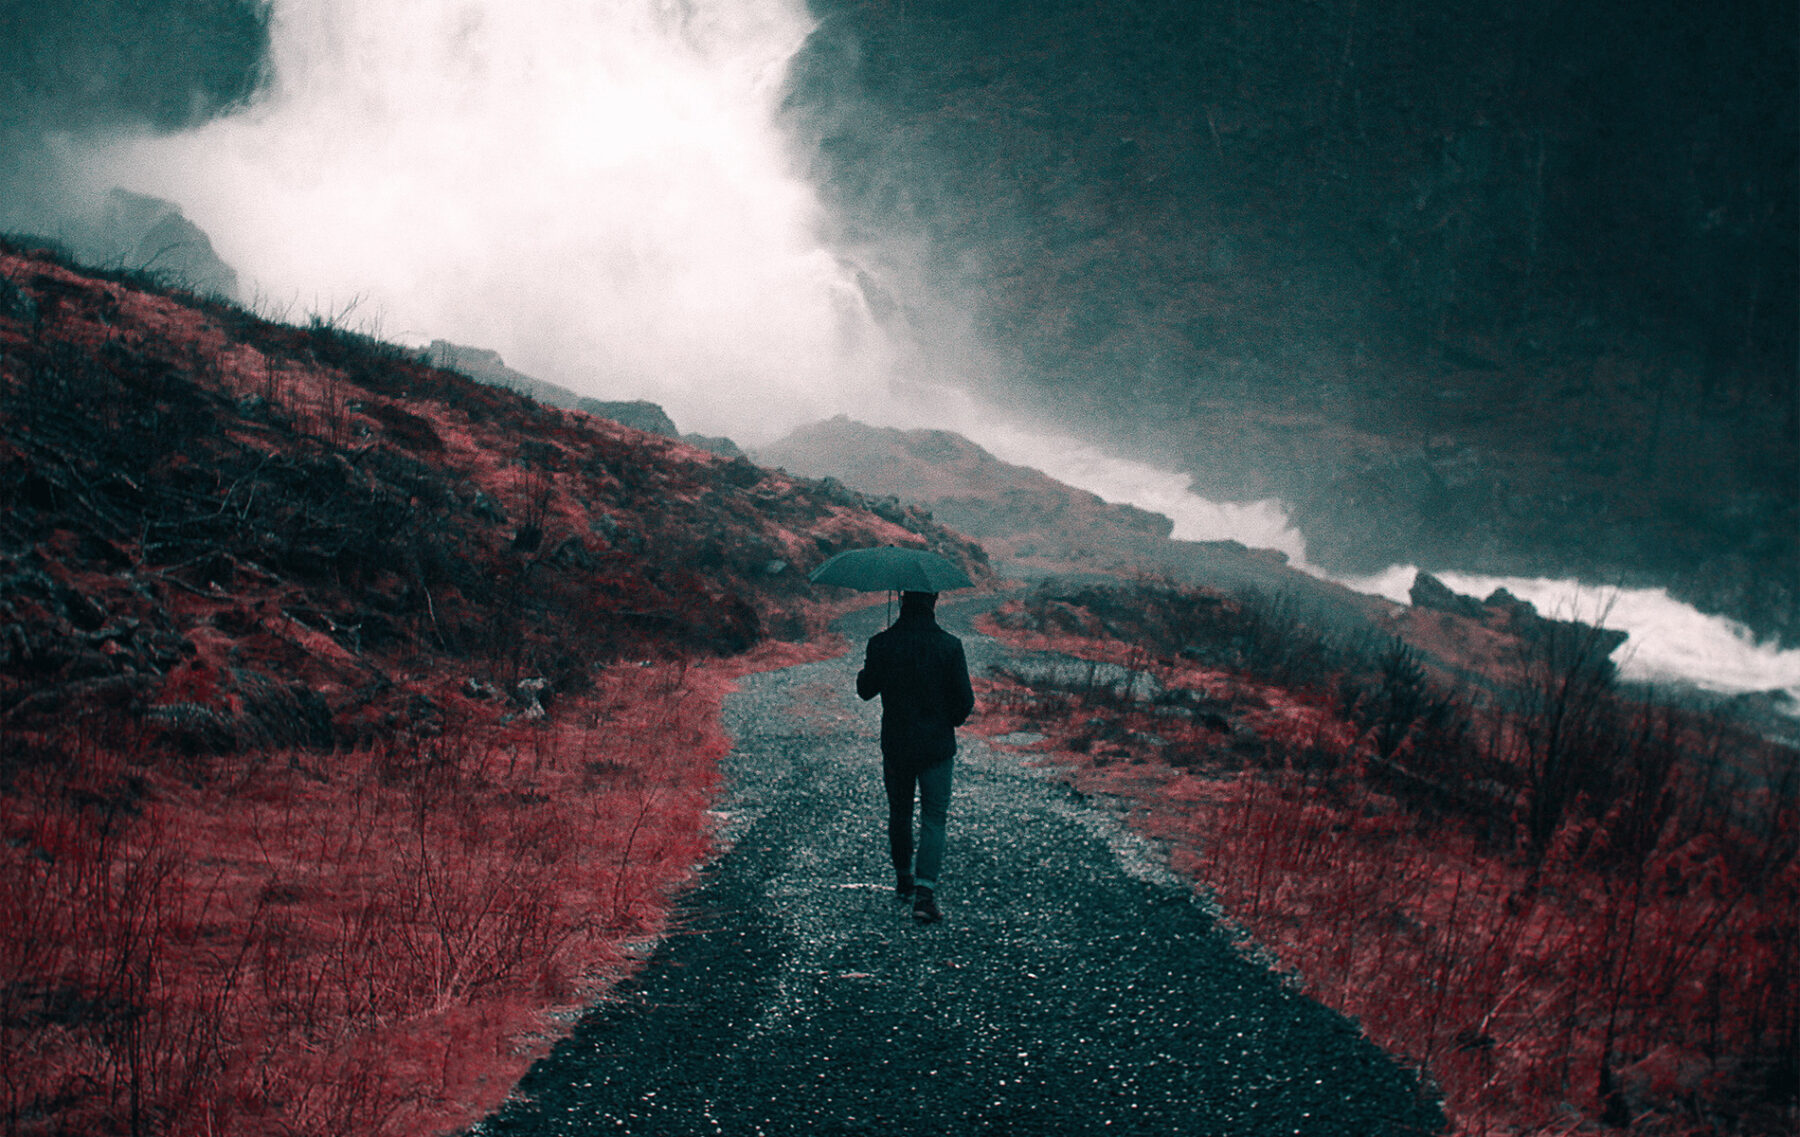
(602, 192)
(595, 190)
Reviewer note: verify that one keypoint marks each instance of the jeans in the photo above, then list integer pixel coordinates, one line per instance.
(934, 807)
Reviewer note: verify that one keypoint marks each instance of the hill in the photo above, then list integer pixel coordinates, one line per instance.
(487, 366)
(1019, 513)
(1029, 522)
(355, 714)
(1035, 526)
(357, 717)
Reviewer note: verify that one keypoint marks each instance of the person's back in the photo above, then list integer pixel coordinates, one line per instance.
(922, 676)
(920, 673)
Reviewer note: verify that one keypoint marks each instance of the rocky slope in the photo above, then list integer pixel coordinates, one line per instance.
(1018, 513)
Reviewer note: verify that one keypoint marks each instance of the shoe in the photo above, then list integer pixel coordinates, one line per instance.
(903, 885)
(925, 909)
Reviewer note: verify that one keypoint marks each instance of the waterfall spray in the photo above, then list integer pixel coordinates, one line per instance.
(599, 191)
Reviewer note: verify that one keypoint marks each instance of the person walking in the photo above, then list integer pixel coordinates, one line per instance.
(922, 676)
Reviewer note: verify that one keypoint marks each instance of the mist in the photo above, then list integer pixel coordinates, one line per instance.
(596, 191)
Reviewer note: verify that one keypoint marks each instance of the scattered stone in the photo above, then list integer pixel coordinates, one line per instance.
(486, 508)
(572, 553)
(529, 690)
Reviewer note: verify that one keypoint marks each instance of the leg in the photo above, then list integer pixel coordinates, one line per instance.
(934, 809)
(900, 811)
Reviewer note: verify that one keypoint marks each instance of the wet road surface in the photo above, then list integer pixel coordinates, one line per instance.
(1074, 987)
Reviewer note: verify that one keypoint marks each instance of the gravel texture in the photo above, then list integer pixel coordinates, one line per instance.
(1074, 987)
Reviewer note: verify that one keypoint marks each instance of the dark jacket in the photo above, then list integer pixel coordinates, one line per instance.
(920, 673)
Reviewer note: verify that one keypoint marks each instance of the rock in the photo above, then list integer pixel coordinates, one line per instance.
(410, 430)
(486, 508)
(16, 303)
(1505, 612)
(571, 553)
(715, 444)
(193, 728)
(150, 234)
(638, 414)
(528, 692)
(485, 366)
(1428, 591)
(739, 472)
(1503, 601)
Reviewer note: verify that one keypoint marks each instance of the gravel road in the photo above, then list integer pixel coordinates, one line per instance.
(1074, 987)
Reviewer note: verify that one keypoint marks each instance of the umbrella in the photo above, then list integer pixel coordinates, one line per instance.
(891, 568)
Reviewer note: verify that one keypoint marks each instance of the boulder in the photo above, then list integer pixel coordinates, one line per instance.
(149, 234)
(714, 444)
(1429, 592)
(638, 414)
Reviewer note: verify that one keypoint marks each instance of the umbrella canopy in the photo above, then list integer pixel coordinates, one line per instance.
(891, 568)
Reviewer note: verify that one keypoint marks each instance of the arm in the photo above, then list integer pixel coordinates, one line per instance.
(959, 696)
(868, 680)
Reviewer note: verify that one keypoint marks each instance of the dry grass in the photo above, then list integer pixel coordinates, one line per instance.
(1634, 965)
(367, 941)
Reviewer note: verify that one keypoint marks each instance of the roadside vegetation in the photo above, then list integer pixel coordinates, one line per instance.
(1572, 907)
(355, 718)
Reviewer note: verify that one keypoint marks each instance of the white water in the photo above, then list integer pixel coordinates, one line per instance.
(598, 190)
(1670, 640)
(1254, 524)
(594, 188)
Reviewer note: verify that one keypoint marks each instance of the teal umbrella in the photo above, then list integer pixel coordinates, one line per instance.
(891, 568)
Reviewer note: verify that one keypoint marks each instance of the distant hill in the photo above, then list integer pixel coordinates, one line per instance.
(1016, 511)
(1032, 524)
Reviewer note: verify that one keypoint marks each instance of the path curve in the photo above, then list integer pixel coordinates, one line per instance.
(1074, 986)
